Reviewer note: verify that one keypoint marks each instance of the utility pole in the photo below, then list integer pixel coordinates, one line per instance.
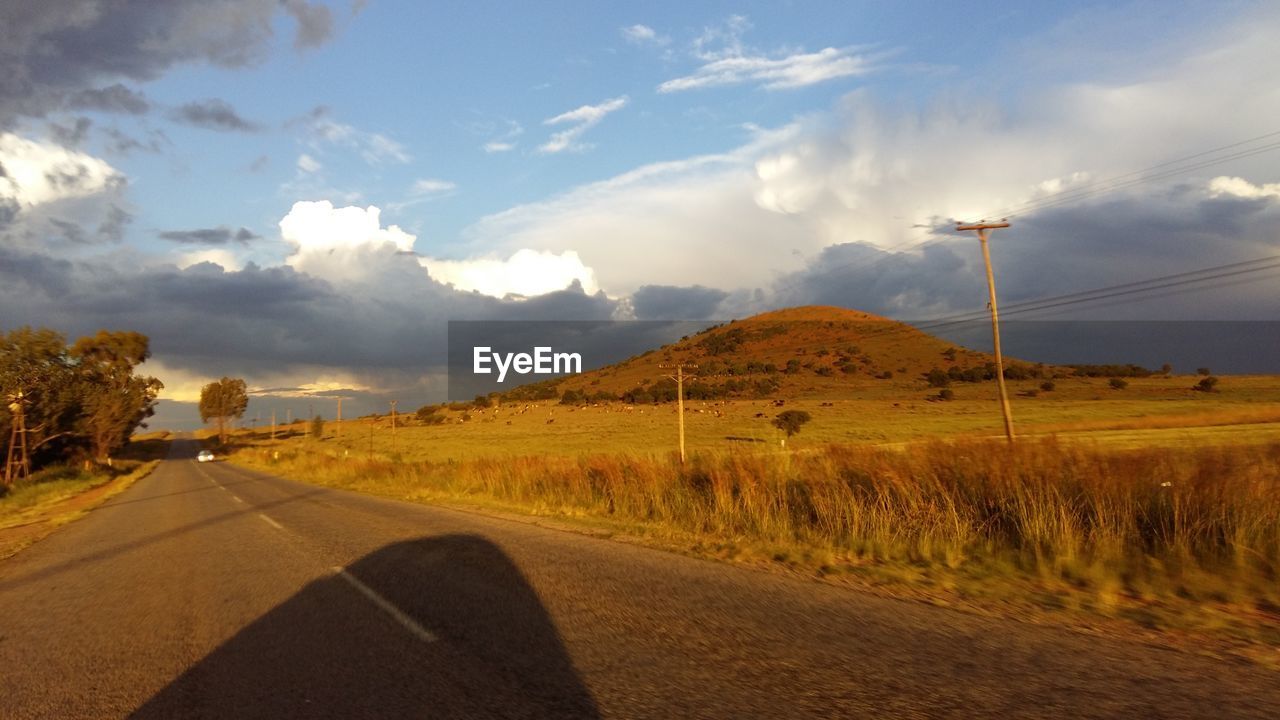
(273, 424)
(393, 427)
(983, 229)
(338, 427)
(679, 378)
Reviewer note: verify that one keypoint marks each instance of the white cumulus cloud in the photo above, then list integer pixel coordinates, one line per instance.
(526, 273)
(36, 173)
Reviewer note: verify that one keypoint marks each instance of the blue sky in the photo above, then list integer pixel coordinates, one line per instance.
(299, 178)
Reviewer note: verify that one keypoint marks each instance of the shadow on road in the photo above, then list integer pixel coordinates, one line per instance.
(331, 651)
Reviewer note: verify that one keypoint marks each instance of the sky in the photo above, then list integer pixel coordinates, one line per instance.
(303, 194)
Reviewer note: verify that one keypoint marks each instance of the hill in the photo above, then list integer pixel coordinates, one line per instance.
(796, 352)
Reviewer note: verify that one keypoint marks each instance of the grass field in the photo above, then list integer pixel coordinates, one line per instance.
(1154, 503)
(1149, 412)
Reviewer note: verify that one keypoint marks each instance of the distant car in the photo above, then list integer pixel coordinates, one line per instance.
(205, 456)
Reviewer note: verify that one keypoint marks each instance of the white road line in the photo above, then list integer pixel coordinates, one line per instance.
(409, 623)
(271, 522)
(235, 497)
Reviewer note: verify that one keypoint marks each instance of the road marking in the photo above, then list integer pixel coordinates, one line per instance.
(271, 522)
(235, 497)
(409, 623)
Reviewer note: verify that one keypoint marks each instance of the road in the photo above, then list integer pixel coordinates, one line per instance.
(212, 591)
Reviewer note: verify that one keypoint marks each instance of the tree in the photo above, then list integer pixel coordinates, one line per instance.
(113, 401)
(790, 422)
(34, 363)
(222, 401)
(317, 427)
(1207, 384)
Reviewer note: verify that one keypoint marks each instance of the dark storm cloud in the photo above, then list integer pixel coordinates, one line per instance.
(111, 229)
(123, 143)
(667, 302)
(256, 321)
(114, 98)
(74, 53)
(1055, 252)
(210, 236)
(70, 135)
(213, 114)
(315, 23)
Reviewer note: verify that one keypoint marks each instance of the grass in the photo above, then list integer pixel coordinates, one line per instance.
(33, 499)
(1154, 504)
(1194, 529)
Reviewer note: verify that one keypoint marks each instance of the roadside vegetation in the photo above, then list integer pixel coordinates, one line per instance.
(71, 403)
(1179, 536)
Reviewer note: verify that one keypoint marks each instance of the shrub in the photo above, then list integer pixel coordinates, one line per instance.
(317, 427)
(947, 394)
(1209, 384)
(1048, 386)
(937, 378)
(1118, 383)
(1203, 371)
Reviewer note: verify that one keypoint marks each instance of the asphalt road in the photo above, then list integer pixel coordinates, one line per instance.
(211, 591)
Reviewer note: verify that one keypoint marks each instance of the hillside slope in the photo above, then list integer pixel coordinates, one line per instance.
(796, 352)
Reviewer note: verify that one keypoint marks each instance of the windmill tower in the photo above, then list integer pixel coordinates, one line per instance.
(17, 464)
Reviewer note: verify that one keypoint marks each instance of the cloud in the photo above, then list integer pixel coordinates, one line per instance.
(728, 61)
(121, 143)
(1239, 187)
(643, 34)
(308, 164)
(221, 257)
(667, 302)
(75, 53)
(210, 236)
(525, 273)
(341, 244)
(431, 186)
(36, 173)
(581, 119)
(374, 148)
(506, 141)
(115, 98)
(315, 23)
(784, 73)
(212, 114)
(70, 135)
(884, 176)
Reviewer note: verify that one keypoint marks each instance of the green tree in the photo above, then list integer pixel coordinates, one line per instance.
(222, 401)
(34, 362)
(113, 400)
(317, 427)
(790, 422)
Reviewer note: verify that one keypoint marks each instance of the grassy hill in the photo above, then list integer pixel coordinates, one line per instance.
(796, 352)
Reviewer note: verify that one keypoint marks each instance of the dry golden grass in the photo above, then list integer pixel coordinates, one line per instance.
(1199, 525)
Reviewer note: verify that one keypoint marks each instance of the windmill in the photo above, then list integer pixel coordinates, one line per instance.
(17, 464)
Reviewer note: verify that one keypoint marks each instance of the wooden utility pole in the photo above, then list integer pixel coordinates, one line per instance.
(393, 427)
(983, 228)
(338, 427)
(679, 378)
(273, 424)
